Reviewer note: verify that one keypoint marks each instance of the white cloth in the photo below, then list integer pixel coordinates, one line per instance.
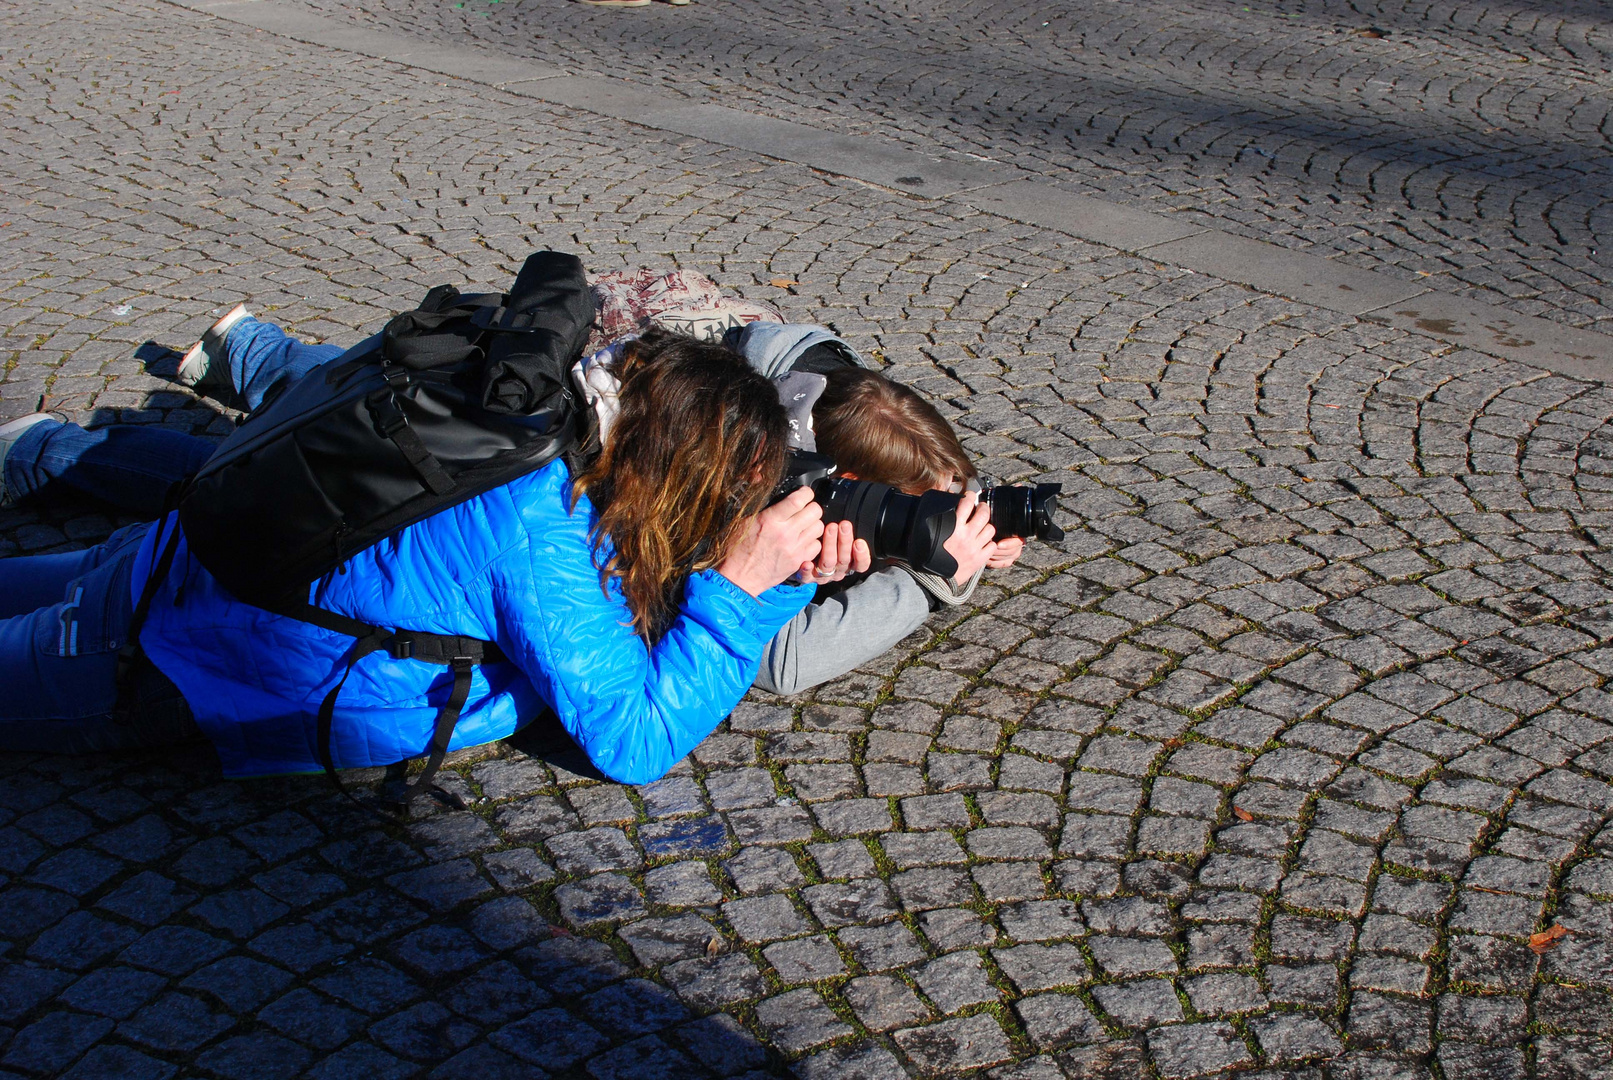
(600, 388)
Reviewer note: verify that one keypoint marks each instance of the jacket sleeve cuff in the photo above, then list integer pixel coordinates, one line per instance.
(726, 605)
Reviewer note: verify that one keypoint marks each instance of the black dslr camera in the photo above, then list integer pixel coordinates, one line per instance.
(913, 528)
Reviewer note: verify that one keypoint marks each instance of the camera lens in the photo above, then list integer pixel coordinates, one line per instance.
(1024, 510)
(913, 528)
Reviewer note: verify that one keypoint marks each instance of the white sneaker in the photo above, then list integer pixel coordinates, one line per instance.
(9, 434)
(199, 360)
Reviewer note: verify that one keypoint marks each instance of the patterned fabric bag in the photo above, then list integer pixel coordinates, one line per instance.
(628, 301)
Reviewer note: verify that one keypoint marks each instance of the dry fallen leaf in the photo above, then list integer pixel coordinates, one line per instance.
(783, 282)
(1547, 939)
(1241, 814)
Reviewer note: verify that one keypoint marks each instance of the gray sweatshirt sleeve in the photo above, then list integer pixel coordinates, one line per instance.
(847, 628)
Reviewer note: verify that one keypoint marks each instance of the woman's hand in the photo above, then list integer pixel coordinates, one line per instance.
(1005, 552)
(841, 555)
(782, 540)
(971, 542)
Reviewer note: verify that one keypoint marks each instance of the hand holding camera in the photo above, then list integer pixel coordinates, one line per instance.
(973, 541)
(782, 540)
(842, 554)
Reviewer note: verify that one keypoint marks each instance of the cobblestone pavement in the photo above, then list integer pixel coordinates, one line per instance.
(1465, 140)
(1274, 766)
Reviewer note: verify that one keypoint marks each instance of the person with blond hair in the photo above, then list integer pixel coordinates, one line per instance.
(876, 429)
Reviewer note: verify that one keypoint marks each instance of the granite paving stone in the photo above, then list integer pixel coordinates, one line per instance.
(708, 984)
(952, 1045)
(111, 991)
(1140, 1004)
(764, 870)
(799, 1019)
(882, 947)
(723, 1044)
(549, 1038)
(802, 960)
(883, 1002)
(765, 918)
(1056, 1020)
(1196, 1049)
(597, 899)
(955, 981)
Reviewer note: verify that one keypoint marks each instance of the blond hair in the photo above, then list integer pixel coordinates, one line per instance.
(883, 431)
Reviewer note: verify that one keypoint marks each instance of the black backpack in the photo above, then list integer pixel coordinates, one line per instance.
(455, 398)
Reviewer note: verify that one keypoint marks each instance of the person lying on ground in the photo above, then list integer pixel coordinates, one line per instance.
(876, 429)
(634, 599)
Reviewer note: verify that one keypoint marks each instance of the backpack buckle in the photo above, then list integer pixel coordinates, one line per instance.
(385, 414)
(401, 648)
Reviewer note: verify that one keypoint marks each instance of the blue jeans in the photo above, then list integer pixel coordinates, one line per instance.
(133, 466)
(64, 617)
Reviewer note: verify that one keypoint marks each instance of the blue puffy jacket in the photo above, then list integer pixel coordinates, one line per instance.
(511, 566)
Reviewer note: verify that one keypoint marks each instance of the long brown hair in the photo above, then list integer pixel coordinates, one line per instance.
(698, 446)
(883, 431)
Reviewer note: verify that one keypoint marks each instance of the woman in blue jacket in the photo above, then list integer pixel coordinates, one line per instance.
(635, 600)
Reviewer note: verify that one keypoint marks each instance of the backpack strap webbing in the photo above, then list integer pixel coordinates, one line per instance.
(391, 423)
(130, 655)
(458, 653)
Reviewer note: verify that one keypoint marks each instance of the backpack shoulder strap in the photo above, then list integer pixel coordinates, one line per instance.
(456, 652)
(826, 357)
(131, 654)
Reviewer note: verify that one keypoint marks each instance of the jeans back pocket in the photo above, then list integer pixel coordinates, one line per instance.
(93, 616)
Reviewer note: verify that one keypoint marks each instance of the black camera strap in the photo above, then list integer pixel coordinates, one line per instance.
(131, 655)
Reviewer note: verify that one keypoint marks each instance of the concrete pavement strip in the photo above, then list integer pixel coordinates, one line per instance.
(1036, 202)
(1499, 332)
(995, 189)
(472, 65)
(1283, 271)
(873, 160)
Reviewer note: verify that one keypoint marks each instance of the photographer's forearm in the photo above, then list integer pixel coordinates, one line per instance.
(851, 628)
